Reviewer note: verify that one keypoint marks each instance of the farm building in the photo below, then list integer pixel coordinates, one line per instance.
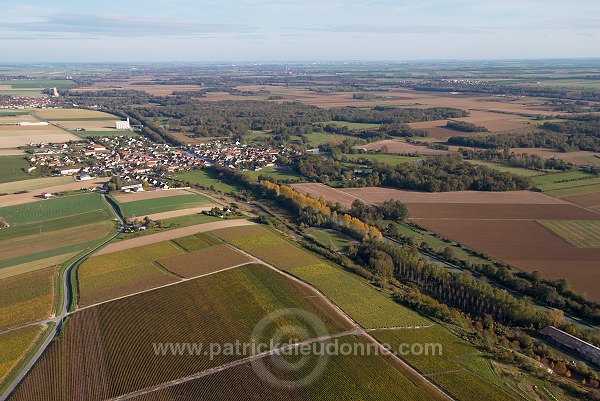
(586, 350)
(67, 171)
(122, 125)
(28, 124)
(132, 188)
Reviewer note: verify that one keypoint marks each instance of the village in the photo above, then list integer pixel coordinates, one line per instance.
(136, 159)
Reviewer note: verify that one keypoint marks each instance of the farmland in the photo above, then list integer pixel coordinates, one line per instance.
(73, 115)
(12, 136)
(581, 233)
(352, 125)
(13, 346)
(515, 170)
(382, 158)
(219, 308)
(501, 225)
(121, 273)
(163, 204)
(26, 298)
(457, 365)
(49, 228)
(369, 306)
(400, 147)
(346, 377)
(204, 261)
(12, 169)
(204, 179)
(331, 238)
(279, 174)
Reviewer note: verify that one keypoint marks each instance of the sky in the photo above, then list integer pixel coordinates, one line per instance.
(303, 30)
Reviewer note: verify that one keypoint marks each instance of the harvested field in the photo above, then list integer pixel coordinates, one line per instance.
(591, 200)
(347, 377)
(380, 194)
(72, 114)
(12, 136)
(528, 246)
(332, 195)
(91, 125)
(37, 186)
(502, 225)
(123, 197)
(502, 167)
(582, 234)
(172, 234)
(578, 158)
(113, 342)
(400, 147)
(26, 298)
(204, 261)
(490, 211)
(133, 84)
(13, 347)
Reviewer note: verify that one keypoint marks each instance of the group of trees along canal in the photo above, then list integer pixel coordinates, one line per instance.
(434, 174)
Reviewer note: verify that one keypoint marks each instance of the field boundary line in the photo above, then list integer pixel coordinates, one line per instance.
(233, 364)
(361, 331)
(417, 327)
(181, 280)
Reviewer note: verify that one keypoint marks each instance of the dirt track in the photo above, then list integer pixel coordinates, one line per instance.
(172, 234)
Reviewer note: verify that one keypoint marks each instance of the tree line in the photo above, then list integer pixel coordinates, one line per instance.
(435, 174)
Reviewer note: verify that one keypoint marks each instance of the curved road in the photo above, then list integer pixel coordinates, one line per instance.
(66, 302)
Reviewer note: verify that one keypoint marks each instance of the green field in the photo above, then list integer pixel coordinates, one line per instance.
(67, 206)
(568, 184)
(588, 189)
(330, 238)
(150, 206)
(254, 134)
(369, 306)
(561, 181)
(448, 360)
(352, 125)
(581, 233)
(383, 158)
(279, 174)
(204, 179)
(316, 139)
(12, 169)
(524, 172)
(21, 92)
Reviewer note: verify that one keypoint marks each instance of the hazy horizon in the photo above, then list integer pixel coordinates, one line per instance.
(280, 31)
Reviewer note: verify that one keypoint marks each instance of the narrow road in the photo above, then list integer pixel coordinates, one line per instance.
(67, 292)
